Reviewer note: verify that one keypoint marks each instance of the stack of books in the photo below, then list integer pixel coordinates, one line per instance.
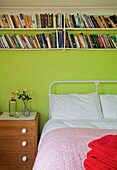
(90, 41)
(45, 20)
(53, 40)
(90, 21)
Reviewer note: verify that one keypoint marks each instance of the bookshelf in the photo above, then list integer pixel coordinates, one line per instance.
(58, 32)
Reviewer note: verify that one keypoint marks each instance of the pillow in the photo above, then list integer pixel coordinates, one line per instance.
(75, 106)
(109, 105)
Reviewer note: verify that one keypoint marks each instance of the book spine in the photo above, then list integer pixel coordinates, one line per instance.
(27, 42)
(8, 41)
(48, 38)
(53, 38)
(22, 17)
(5, 42)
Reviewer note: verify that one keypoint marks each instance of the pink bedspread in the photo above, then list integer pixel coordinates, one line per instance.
(66, 148)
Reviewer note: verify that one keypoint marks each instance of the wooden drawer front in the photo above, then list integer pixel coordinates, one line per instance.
(11, 158)
(18, 144)
(17, 130)
(15, 167)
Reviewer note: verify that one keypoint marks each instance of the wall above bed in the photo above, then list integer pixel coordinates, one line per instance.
(35, 70)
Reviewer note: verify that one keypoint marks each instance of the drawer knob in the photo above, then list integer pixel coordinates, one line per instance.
(24, 143)
(24, 130)
(24, 158)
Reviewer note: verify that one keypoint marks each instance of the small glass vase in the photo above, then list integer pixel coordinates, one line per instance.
(26, 110)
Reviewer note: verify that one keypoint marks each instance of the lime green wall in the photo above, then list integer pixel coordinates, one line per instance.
(35, 70)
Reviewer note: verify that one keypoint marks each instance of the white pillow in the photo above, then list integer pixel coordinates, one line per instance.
(75, 106)
(109, 105)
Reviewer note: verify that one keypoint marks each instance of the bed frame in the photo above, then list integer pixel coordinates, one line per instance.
(95, 82)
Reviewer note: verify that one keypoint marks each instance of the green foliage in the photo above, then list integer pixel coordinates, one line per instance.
(24, 95)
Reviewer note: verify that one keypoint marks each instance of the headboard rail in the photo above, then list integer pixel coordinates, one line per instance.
(95, 82)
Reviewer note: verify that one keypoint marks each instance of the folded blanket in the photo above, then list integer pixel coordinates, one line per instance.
(106, 146)
(91, 163)
(103, 159)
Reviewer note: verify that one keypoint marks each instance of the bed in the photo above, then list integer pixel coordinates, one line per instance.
(75, 120)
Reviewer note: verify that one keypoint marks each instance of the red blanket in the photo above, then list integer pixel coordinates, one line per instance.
(92, 163)
(102, 160)
(103, 155)
(105, 146)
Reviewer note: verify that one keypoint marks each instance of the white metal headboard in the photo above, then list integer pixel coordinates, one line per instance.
(96, 82)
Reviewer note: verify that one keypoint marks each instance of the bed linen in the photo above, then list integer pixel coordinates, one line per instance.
(64, 143)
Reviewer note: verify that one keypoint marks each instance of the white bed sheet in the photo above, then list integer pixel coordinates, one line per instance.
(52, 124)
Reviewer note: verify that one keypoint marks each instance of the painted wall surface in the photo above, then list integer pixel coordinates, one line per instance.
(35, 70)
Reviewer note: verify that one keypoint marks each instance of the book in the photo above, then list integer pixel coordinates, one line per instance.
(74, 21)
(109, 41)
(101, 41)
(15, 41)
(105, 41)
(53, 38)
(33, 20)
(28, 21)
(27, 42)
(5, 42)
(15, 21)
(57, 38)
(9, 21)
(98, 21)
(114, 40)
(9, 41)
(82, 23)
(70, 21)
(5, 22)
(1, 22)
(76, 41)
(85, 40)
(88, 41)
(49, 41)
(60, 20)
(2, 45)
(40, 40)
(81, 40)
(114, 19)
(91, 21)
(22, 17)
(112, 23)
(45, 18)
(67, 21)
(70, 41)
(54, 21)
(30, 41)
(67, 43)
(19, 41)
(87, 25)
(44, 41)
(38, 21)
(94, 21)
(37, 42)
(77, 21)
(104, 22)
(50, 20)
(61, 39)
(23, 41)
(93, 40)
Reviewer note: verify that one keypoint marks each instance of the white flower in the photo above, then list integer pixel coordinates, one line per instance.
(17, 92)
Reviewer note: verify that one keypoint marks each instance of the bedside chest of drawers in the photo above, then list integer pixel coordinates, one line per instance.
(18, 141)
